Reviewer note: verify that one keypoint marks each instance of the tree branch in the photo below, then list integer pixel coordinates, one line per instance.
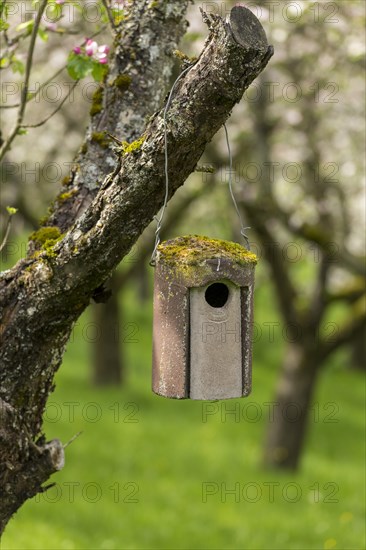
(316, 234)
(59, 106)
(138, 76)
(318, 301)
(285, 289)
(354, 326)
(109, 15)
(6, 233)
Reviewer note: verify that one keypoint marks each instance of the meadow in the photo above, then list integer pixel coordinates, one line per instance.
(149, 473)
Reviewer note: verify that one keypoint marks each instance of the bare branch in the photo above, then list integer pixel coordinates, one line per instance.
(353, 326)
(24, 93)
(109, 14)
(38, 124)
(339, 254)
(7, 232)
(318, 301)
(33, 96)
(285, 289)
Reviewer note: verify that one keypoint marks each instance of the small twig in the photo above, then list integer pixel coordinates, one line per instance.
(7, 231)
(109, 14)
(9, 106)
(16, 39)
(33, 96)
(46, 487)
(64, 31)
(2, 7)
(50, 79)
(119, 142)
(53, 112)
(72, 439)
(23, 98)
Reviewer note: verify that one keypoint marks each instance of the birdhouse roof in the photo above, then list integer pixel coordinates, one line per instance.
(193, 249)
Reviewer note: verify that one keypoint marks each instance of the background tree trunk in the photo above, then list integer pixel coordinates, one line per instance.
(358, 352)
(142, 281)
(107, 353)
(291, 406)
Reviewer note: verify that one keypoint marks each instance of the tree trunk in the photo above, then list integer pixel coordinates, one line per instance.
(107, 356)
(358, 352)
(290, 408)
(142, 276)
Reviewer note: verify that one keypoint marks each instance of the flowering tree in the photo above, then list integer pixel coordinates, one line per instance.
(296, 195)
(114, 189)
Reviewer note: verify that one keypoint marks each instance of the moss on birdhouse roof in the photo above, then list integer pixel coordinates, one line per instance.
(192, 249)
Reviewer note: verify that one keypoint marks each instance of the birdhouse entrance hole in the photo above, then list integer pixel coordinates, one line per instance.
(217, 294)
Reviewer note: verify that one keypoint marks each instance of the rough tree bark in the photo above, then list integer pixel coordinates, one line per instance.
(44, 294)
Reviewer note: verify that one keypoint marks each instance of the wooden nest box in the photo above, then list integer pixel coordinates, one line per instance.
(203, 315)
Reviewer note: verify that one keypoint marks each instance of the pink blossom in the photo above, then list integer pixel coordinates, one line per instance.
(119, 5)
(102, 53)
(104, 49)
(91, 47)
(60, 1)
(51, 26)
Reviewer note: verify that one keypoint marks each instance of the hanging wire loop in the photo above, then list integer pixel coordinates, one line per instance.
(242, 228)
(159, 218)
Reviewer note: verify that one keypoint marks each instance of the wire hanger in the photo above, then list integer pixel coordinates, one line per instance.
(159, 218)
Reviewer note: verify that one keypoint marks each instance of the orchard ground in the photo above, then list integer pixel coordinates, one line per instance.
(149, 472)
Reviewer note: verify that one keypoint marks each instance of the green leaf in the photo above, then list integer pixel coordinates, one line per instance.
(4, 61)
(11, 210)
(22, 132)
(43, 35)
(3, 25)
(4, 8)
(98, 71)
(27, 25)
(79, 66)
(17, 66)
(54, 12)
(118, 17)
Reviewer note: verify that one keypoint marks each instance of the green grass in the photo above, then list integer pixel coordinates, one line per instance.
(136, 446)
